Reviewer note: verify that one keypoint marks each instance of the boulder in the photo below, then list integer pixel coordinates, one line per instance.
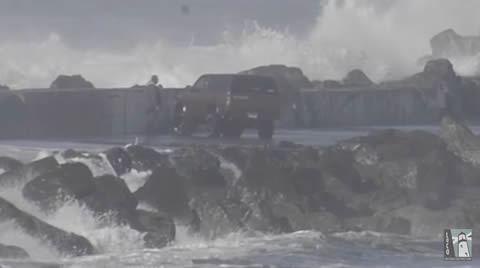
(437, 73)
(71, 81)
(144, 158)
(8, 163)
(165, 191)
(440, 87)
(279, 191)
(119, 159)
(199, 167)
(50, 190)
(111, 194)
(28, 172)
(159, 229)
(357, 78)
(461, 140)
(12, 252)
(4, 87)
(65, 242)
(450, 44)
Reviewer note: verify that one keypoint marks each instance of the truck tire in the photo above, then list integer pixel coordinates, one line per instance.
(182, 125)
(213, 125)
(265, 129)
(232, 129)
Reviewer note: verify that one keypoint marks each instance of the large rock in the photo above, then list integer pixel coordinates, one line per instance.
(111, 194)
(159, 229)
(439, 75)
(144, 159)
(71, 81)
(50, 190)
(12, 252)
(65, 242)
(357, 78)
(461, 140)
(165, 191)
(25, 173)
(450, 44)
(4, 87)
(119, 160)
(279, 191)
(436, 73)
(8, 164)
(404, 171)
(200, 167)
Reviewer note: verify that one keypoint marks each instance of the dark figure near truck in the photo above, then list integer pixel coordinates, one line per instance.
(226, 104)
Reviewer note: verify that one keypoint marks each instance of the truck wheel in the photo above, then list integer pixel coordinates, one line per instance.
(232, 129)
(182, 125)
(265, 129)
(213, 125)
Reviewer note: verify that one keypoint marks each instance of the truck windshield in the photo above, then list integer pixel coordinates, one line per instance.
(215, 82)
(253, 85)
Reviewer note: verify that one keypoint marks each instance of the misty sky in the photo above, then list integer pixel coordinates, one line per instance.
(123, 42)
(120, 23)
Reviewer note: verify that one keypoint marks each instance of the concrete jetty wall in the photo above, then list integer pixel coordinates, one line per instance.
(90, 112)
(372, 106)
(51, 113)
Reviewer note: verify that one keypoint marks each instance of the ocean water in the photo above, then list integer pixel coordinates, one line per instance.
(120, 246)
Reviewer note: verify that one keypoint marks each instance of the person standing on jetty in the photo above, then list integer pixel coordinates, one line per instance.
(153, 125)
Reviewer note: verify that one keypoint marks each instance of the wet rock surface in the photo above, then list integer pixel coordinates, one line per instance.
(27, 172)
(12, 252)
(388, 181)
(65, 242)
(159, 228)
(119, 160)
(52, 189)
(111, 194)
(365, 183)
(71, 81)
(449, 43)
(357, 78)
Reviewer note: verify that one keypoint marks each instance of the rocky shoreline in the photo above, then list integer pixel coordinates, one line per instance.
(410, 183)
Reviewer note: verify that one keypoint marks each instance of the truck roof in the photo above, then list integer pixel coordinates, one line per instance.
(234, 75)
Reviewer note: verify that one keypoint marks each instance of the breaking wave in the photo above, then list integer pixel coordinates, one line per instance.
(384, 38)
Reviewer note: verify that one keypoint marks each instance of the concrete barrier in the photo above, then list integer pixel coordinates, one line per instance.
(12, 114)
(364, 107)
(93, 112)
(52, 113)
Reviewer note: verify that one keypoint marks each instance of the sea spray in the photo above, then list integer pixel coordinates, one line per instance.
(105, 234)
(384, 38)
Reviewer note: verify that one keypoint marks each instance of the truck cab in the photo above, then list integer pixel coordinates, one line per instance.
(226, 104)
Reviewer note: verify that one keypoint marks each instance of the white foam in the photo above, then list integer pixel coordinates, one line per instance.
(11, 235)
(136, 179)
(106, 236)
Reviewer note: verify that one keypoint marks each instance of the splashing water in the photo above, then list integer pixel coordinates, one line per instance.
(106, 236)
(384, 38)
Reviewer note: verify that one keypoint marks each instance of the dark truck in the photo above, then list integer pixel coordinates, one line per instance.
(226, 104)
